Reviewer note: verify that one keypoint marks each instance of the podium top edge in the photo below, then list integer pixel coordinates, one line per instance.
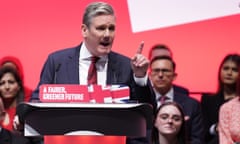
(85, 105)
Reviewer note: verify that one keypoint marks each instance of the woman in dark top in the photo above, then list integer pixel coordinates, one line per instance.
(228, 74)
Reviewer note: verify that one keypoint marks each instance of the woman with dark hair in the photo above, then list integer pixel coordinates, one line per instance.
(228, 74)
(15, 63)
(169, 125)
(11, 92)
(229, 119)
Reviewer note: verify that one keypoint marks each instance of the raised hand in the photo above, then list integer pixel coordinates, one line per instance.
(139, 62)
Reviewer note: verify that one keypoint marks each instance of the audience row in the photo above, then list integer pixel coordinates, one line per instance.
(178, 118)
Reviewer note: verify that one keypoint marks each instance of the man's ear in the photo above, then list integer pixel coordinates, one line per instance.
(84, 30)
(175, 76)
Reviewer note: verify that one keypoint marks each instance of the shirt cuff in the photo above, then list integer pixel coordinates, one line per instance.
(212, 130)
(141, 81)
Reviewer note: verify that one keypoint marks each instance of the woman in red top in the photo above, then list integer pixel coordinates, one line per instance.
(11, 92)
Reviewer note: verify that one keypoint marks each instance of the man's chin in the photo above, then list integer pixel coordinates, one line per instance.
(103, 52)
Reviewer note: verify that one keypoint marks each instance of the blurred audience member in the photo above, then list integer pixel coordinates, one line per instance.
(15, 63)
(169, 125)
(162, 74)
(6, 136)
(163, 50)
(228, 74)
(229, 122)
(229, 119)
(11, 92)
(159, 50)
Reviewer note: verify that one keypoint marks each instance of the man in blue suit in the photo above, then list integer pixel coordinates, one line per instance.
(70, 66)
(162, 74)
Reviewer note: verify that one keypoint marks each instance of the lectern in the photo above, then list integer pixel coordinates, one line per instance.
(130, 120)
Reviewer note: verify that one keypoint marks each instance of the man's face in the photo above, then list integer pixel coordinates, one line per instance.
(100, 34)
(162, 75)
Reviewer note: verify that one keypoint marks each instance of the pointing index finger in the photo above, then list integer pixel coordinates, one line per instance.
(140, 48)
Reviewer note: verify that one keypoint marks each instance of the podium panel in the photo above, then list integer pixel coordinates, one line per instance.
(86, 119)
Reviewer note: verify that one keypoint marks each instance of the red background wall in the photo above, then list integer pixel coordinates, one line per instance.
(30, 30)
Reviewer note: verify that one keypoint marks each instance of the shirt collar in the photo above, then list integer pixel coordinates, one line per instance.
(169, 94)
(84, 52)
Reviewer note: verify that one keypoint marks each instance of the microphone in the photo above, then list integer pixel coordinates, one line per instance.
(55, 73)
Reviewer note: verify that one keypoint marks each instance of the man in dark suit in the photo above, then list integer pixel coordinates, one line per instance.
(211, 104)
(164, 50)
(70, 66)
(162, 74)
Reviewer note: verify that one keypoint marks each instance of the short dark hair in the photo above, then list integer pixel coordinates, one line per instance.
(164, 58)
(159, 47)
(96, 9)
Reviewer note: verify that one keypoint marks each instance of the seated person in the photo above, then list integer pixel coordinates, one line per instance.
(6, 136)
(163, 50)
(14, 62)
(169, 125)
(11, 92)
(228, 75)
(162, 74)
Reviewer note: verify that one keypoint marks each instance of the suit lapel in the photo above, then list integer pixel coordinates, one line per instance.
(73, 66)
(112, 75)
(179, 98)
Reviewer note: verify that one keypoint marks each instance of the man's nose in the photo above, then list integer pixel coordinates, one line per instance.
(106, 33)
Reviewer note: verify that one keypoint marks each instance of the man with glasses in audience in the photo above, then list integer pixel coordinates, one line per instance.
(162, 74)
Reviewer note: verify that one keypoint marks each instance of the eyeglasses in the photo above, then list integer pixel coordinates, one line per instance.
(163, 71)
(165, 117)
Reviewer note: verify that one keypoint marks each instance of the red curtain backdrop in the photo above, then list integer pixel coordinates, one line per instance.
(30, 30)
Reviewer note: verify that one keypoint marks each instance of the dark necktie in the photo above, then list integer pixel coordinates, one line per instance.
(92, 71)
(162, 99)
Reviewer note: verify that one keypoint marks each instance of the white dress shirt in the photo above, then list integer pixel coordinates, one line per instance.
(169, 96)
(101, 65)
(84, 64)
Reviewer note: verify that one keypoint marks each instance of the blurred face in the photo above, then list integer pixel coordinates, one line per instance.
(160, 52)
(8, 86)
(162, 75)
(169, 120)
(100, 34)
(229, 73)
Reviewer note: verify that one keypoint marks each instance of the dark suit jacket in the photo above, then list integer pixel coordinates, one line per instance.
(191, 108)
(180, 89)
(6, 137)
(62, 67)
(210, 109)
